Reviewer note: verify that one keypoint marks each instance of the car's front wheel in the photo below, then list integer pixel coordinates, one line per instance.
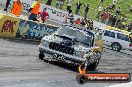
(41, 56)
(116, 47)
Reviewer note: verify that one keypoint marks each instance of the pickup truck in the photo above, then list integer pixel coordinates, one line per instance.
(71, 44)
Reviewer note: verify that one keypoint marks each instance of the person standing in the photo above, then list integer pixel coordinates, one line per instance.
(131, 9)
(44, 15)
(17, 7)
(34, 10)
(86, 10)
(104, 16)
(48, 2)
(78, 4)
(69, 5)
(118, 11)
(100, 9)
(61, 4)
(7, 4)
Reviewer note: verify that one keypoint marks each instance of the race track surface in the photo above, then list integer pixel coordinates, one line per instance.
(20, 67)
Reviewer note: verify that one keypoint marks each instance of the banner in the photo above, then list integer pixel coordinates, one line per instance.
(8, 26)
(33, 30)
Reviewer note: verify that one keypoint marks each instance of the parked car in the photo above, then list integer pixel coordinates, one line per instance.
(70, 43)
(117, 39)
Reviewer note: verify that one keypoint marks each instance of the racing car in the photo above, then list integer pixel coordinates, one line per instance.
(71, 44)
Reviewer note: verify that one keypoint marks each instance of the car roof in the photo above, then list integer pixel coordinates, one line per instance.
(117, 30)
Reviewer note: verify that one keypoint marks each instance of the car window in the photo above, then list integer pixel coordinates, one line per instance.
(123, 37)
(109, 33)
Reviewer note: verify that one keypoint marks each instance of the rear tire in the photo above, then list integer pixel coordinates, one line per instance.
(116, 47)
(41, 56)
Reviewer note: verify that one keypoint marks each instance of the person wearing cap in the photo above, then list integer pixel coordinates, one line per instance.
(17, 7)
(34, 10)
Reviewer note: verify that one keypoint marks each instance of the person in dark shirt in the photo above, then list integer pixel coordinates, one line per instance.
(7, 4)
(118, 11)
(48, 2)
(110, 19)
(78, 7)
(86, 10)
(114, 21)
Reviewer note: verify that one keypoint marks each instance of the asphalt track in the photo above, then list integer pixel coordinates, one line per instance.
(20, 67)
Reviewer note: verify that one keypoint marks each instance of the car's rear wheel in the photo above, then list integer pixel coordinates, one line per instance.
(116, 47)
(41, 55)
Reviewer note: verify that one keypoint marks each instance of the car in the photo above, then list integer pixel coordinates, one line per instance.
(116, 38)
(70, 44)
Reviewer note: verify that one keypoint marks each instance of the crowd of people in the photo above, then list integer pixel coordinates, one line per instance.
(104, 14)
(115, 20)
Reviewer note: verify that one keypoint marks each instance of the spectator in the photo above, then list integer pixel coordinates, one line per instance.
(77, 22)
(17, 7)
(86, 10)
(99, 11)
(104, 16)
(112, 6)
(91, 24)
(114, 2)
(131, 9)
(114, 20)
(118, 23)
(7, 4)
(44, 15)
(83, 22)
(110, 19)
(130, 27)
(61, 4)
(101, 2)
(48, 2)
(118, 11)
(57, 3)
(34, 10)
(69, 5)
(71, 18)
(78, 6)
(123, 24)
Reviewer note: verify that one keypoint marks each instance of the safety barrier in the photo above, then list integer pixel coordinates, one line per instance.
(12, 27)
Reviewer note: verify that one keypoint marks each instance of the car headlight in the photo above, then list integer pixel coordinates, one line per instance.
(45, 43)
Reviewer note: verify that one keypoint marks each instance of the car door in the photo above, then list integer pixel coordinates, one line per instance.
(123, 40)
(108, 37)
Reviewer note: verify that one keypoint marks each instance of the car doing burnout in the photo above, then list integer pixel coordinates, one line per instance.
(70, 44)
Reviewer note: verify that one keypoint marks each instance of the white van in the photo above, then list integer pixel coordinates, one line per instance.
(117, 39)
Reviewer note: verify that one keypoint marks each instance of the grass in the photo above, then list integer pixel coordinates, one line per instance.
(124, 4)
